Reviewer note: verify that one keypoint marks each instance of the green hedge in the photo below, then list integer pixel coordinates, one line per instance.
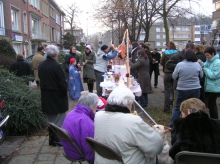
(22, 104)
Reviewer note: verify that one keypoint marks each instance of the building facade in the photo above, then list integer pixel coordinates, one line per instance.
(216, 20)
(28, 24)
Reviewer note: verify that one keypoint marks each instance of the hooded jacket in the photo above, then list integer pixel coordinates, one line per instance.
(103, 58)
(79, 123)
(165, 58)
(212, 72)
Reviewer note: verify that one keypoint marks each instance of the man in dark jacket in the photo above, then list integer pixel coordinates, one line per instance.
(53, 87)
(20, 67)
(154, 66)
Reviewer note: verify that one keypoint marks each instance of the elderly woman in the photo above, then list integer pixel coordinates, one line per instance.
(88, 69)
(79, 124)
(136, 141)
(195, 131)
(212, 80)
(53, 87)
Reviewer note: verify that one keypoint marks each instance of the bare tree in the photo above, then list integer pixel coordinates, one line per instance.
(71, 13)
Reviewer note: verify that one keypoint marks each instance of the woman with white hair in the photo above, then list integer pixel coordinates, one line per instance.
(79, 123)
(136, 141)
(53, 87)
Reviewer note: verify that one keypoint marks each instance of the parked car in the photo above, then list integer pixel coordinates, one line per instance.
(4, 123)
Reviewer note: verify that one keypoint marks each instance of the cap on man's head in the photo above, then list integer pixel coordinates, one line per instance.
(72, 60)
(104, 47)
(155, 49)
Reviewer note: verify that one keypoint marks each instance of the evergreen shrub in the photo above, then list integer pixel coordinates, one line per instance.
(23, 104)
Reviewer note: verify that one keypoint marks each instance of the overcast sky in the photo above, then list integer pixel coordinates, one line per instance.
(87, 6)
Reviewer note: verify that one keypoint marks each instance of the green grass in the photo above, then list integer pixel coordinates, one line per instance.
(159, 116)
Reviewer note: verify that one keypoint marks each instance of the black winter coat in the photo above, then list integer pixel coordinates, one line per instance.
(67, 60)
(195, 133)
(21, 68)
(53, 86)
(174, 60)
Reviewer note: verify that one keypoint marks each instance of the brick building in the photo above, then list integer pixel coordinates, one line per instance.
(30, 23)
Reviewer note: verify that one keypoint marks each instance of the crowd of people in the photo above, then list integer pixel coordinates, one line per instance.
(191, 83)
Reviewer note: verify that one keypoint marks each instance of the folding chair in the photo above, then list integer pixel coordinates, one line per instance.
(104, 150)
(186, 157)
(64, 135)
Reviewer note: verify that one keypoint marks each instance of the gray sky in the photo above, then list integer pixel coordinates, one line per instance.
(87, 6)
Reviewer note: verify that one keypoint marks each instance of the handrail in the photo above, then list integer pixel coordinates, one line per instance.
(145, 112)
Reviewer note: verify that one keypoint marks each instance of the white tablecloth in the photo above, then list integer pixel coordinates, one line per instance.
(109, 85)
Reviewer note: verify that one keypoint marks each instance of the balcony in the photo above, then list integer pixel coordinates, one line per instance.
(216, 24)
(37, 36)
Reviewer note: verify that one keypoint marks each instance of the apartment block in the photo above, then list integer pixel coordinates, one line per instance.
(203, 34)
(28, 24)
(216, 19)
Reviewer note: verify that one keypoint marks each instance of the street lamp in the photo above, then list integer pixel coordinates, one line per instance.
(112, 30)
(87, 27)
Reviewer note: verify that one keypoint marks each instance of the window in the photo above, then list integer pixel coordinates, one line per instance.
(163, 29)
(35, 28)
(57, 19)
(158, 44)
(197, 28)
(17, 47)
(52, 12)
(158, 36)
(164, 43)
(157, 29)
(46, 31)
(2, 23)
(176, 43)
(35, 3)
(53, 34)
(58, 36)
(45, 8)
(217, 5)
(197, 36)
(25, 23)
(164, 36)
(15, 19)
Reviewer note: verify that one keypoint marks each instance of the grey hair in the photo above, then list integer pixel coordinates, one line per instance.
(88, 99)
(52, 50)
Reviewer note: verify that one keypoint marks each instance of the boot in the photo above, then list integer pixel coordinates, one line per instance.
(53, 139)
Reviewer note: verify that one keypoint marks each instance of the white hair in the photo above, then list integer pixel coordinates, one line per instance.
(88, 99)
(121, 96)
(52, 50)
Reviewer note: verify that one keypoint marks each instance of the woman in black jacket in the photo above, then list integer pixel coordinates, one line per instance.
(199, 51)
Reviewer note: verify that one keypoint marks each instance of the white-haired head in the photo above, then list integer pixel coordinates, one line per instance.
(89, 100)
(121, 96)
(52, 50)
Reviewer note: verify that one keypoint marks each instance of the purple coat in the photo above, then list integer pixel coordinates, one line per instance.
(79, 123)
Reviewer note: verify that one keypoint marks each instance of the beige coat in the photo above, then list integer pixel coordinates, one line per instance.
(137, 142)
(37, 59)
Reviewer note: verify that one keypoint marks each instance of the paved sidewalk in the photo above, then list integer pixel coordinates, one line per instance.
(35, 150)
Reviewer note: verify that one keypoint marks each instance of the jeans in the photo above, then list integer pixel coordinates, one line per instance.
(144, 99)
(183, 95)
(99, 79)
(210, 101)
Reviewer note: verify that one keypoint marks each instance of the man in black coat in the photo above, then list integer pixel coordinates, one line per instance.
(154, 66)
(20, 67)
(53, 87)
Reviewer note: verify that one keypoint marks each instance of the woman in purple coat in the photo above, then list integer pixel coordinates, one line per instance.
(79, 123)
